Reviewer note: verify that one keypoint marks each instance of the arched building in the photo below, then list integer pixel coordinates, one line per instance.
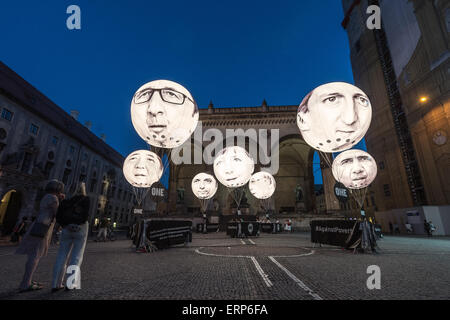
(265, 131)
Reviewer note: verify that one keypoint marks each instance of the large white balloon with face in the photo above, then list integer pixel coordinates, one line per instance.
(233, 167)
(204, 186)
(262, 185)
(142, 168)
(164, 113)
(334, 117)
(355, 169)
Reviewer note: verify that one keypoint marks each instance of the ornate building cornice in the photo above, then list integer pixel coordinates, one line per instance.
(248, 116)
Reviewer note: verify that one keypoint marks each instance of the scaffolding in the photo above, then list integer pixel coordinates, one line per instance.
(400, 122)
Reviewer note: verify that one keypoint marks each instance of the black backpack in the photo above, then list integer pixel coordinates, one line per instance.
(69, 211)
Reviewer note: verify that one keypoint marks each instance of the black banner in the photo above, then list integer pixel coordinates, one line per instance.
(163, 233)
(270, 227)
(341, 233)
(247, 228)
(210, 227)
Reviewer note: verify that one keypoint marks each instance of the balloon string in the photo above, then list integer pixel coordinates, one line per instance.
(359, 195)
(266, 204)
(167, 161)
(140, 194)
(136, 194)
(236, 193)
(204, 204)
(325, 157)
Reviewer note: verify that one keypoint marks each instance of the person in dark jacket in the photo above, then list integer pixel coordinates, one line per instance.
(73, 216)
(427, 228)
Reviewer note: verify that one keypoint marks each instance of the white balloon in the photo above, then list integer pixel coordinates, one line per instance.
(142, 168)
(233, 167)
(334, 117)
(204, 186)
(355, 169)
(164, 113)
(262, 185)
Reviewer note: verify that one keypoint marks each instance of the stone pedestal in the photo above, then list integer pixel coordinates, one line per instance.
(300, 207)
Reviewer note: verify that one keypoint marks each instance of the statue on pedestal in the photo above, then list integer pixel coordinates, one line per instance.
(298, 194)
(180, 195)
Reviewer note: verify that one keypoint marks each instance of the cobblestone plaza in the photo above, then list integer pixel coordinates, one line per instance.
(269, 267)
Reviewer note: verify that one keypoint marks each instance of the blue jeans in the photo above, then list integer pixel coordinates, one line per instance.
(73, 242)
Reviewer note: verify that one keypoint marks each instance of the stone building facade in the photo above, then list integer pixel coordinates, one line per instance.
(294, 194)
(39, 141)
(405, 69)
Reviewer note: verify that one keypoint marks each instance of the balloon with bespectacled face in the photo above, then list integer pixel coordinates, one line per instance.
(142, 168)
(262, 185)
(334, 117)
(233, 167)
(204, 186)
(355, 169)
(164, 113)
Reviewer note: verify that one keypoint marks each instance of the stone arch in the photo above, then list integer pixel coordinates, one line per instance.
(296, 172)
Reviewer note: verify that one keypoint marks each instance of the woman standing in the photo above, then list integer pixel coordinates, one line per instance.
(37, 239)
(73, 217)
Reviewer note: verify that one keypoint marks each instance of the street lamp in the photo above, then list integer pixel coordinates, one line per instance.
(423, 99)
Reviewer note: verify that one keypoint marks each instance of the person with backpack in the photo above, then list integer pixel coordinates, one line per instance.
(73, 217)
(36, 240)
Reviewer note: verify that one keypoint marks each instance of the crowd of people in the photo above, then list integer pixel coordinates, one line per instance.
(428, 227)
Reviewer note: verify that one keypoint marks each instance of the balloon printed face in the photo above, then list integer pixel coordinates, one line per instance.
(355, 169)
(164, 113)
(334, 117)
(142, 168)
(262, 185)
(204, 186)
(233, 167)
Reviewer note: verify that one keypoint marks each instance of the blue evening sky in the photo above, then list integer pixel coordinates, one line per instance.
(235, 53)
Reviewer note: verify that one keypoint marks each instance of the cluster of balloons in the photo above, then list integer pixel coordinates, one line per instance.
(165, 115)
(332, 118)
(234, 167)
